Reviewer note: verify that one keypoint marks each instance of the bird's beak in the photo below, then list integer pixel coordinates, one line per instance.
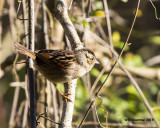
(97, 62)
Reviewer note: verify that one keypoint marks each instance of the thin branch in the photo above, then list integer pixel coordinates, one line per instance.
(88, 8)
(45, 28)
(1, 8)
(100, 29)
(46, 39)
(24, 21)
(48, 99)
(106, 119)
(61, 13)
(108, 23)
(158, 18)
(17, 89)
(15, 99)
(153, 61)
(97, 80)
(48, 119)
(25, 115)
(55, 107)
(19, 5)
(20, 110)
(87, 81)
(37, 7)
(70, 5)
(30, 73)
(98, 118)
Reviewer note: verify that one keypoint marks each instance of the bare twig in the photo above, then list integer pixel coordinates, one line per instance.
(30, 73)
(45, 28)
(1, 8)
(48, 100)
(97, 80)
(60, 11)
(88, 8)
(55, 107)
(16, 95)
(98, 117)
(25, 115)
(37, 7)
(19, 5)
(24, 123)
(20, 110)
(25, 22)
(19, 113)
(108, 23)
(152, 61)
(17, 89)
(106, 119)
(46, 39)
(70, 5)
(87, 81)
(99, 27)
(48, 119)
(158, 18)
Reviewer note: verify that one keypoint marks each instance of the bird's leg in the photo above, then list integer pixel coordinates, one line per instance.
(63, 95)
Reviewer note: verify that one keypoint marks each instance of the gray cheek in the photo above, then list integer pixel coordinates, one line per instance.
(81, 58)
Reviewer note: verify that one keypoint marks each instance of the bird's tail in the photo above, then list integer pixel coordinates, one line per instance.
(23, 50)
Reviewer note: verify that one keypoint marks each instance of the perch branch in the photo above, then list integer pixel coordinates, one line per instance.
(61, 13)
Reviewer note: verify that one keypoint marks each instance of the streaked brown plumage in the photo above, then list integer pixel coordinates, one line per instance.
(60, 66)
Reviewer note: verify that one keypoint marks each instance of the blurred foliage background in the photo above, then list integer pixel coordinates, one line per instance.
(118, 99)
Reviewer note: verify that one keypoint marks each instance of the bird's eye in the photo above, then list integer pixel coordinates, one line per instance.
(92, 58)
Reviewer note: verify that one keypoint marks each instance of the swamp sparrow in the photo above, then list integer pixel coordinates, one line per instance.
(60, 66)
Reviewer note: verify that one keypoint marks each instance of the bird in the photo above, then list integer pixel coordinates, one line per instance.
(60, 66)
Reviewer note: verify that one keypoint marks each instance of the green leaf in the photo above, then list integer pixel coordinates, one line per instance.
(81, 91)
(74, 20)
(86, 24)
(125, 1)
(116, 37)
(81, 95)
(139, 13)
(120, 45)
(99, 5)
(154, 88)
(157, 113)
(155, 39)
(132, 60)
(103, 78)
(131, 90)
(97, 13)
(94, 72)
